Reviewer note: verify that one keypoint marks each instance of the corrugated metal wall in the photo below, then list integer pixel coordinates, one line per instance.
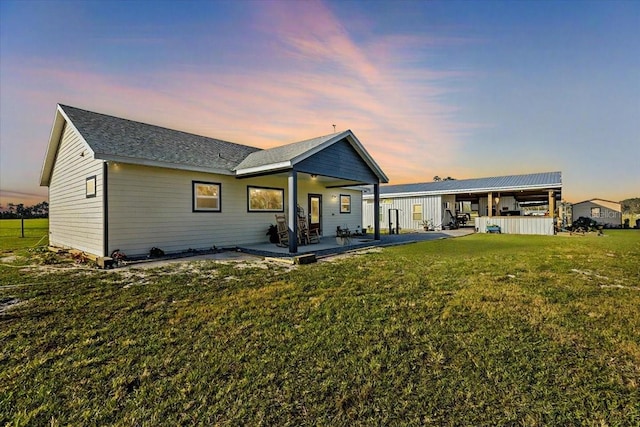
(431, 210)
(517, 225)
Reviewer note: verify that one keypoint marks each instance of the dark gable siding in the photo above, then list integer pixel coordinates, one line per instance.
(340, 160)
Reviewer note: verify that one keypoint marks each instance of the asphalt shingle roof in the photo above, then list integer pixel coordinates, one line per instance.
(110, 136)
(535, 180)
(283, 153)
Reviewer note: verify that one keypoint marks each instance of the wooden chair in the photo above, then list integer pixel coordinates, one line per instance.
(283, 230)
(306, 235)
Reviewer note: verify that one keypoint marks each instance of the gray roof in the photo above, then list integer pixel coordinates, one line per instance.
(499, 183)
(284, 153)
(121, 140)
(113, 138)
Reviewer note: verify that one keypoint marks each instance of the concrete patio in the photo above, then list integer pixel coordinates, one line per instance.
(329, 245)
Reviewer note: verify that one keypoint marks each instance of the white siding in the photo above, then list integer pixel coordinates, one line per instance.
(75, 221)
(517, 224)
(607, 215)
(431, 210)
(153, 207)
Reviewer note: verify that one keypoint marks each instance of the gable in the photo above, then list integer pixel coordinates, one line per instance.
(339, 160)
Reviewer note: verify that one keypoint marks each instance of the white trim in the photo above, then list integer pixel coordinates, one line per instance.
(465, 190)
(264, 168)
(55, 138)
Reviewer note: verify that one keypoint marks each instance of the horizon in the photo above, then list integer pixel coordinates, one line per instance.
(466, 90)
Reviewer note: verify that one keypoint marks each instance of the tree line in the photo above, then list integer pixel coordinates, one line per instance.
(631, 206)
(12, 210)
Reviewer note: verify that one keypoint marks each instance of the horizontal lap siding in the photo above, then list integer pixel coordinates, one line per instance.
(75, 221)
(153, 207)
(331, 216)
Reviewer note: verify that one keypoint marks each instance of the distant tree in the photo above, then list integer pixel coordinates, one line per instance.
(449, 179)
(40, 210)
(631, 206)
(437, 178)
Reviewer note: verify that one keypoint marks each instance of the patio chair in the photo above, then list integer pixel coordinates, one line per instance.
(305, 234)
(283, 230)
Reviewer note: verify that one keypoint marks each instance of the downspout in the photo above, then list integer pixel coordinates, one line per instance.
(105, 208)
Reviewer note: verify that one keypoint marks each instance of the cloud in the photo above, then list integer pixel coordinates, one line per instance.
(305, 73)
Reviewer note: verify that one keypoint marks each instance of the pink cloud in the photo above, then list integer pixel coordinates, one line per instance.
(318, 76)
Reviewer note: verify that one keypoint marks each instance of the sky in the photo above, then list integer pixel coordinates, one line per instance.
(465, 89)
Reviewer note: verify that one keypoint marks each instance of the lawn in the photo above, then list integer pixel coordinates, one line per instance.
(479, 330)
(35, 233)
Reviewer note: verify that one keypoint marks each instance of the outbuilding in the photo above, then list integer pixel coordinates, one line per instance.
(120, 184)
(517, 204)
(602, 211)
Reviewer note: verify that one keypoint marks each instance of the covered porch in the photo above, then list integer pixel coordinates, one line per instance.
(521, 211)
(323, 178)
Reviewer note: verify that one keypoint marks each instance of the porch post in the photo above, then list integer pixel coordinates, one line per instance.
(490, 204)
(293, 211)
(376, 211)
(552, 207)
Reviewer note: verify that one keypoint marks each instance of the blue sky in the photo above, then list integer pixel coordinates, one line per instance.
(464, 89)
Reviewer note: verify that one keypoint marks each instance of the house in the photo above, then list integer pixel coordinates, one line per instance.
(602, 211)
(120, 184)
(519, 204)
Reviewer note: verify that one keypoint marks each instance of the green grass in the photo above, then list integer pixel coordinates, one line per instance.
(35, 233)
(480, 330)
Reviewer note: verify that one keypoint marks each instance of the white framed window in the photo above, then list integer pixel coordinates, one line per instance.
(595, 212)
(90, 187)
(417, 212)
(206, 196)
(265, 199)
(345, 204)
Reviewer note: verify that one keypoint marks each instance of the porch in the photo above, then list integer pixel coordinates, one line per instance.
(329, 246)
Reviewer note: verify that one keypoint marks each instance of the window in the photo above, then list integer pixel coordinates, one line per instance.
(264, 199)
(206, 196)
(90, 189)
(345, 203)
(417, 212)
(595, 212)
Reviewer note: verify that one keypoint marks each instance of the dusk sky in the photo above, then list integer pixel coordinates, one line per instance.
(463, 89)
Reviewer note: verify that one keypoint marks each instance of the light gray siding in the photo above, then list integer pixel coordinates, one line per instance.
(75, 221)
(151, 206)
(607, 215)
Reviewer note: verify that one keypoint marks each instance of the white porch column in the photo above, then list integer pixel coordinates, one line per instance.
(293, 211)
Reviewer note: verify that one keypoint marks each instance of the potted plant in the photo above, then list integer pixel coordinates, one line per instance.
(427, 224)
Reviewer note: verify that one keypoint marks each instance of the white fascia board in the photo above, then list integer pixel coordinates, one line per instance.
(155, 163)
(354, 143)
(55, 138)
(264, 168)
(472, 191)
(367, 158)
